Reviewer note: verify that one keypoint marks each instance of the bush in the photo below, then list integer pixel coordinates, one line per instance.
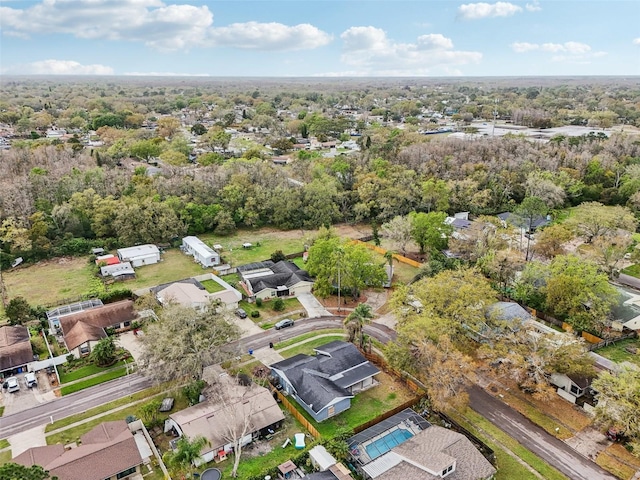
(255, 314)
(277, 256)
(258, 302)
(278, 305)
(193, 391)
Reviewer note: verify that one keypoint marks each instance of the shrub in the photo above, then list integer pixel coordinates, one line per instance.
(277, 256)
(278, 305)
(255, 314)
(258, 302)
(193, 391)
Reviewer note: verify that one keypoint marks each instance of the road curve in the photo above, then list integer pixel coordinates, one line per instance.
(553, 451)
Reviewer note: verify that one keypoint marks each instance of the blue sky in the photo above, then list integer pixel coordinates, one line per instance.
(320, 38)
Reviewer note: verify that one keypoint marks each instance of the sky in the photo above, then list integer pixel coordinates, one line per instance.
(328, 38)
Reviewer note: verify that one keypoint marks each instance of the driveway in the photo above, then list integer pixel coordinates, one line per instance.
(553, 451)
(313, 307)
(131, 342)
(23, 399)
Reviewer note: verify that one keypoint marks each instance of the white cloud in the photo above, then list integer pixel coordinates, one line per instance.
(269, 36)
(164, 74)
(573, 48)
(522, 47)
(636, 41)
(59, 67)
(475, 11)
(154, 23)
(570, 52)
(533, 7)
(368, 51)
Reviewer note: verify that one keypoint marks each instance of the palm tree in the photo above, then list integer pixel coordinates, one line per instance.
(355, 322)
(187, 451)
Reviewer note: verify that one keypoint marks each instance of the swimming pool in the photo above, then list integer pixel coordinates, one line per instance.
(386, 443)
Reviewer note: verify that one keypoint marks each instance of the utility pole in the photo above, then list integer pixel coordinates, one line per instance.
(3, 290)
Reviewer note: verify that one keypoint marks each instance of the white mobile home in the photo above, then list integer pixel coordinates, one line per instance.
(140, 255)
(201, 252)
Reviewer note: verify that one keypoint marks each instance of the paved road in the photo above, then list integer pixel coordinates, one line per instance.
(553, 451)
(72, 404)
(118, 388)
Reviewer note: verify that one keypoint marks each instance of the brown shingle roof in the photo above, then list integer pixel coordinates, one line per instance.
(81, 327)
(15, 347)
(435, 448)
(106, 450)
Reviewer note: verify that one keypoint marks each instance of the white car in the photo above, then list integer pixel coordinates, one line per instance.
(30, 380)
(12, 384)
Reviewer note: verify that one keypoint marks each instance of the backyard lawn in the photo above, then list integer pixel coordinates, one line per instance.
(366, 406)
(617, 352)
(212, 286)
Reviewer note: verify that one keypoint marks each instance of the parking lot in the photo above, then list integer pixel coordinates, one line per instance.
(26, 398)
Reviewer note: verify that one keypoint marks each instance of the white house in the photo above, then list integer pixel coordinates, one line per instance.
(201, 252)
(119, 271)
(139, 255)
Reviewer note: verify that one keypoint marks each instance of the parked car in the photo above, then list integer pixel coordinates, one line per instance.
(30, 380)
(12, 384)
(287, 322)
(240, 313)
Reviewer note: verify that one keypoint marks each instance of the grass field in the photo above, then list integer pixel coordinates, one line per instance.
(305, 336)
(4, 443)
(90, 382)
(84, 372)
(307, 347)
(212, 286)
(267, 314)
(633, 270)
(617, 352)
(66, 278)
(5, 457)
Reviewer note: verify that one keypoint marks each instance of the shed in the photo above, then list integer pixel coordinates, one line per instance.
(140, 255)
(320, 458)
(200, 251)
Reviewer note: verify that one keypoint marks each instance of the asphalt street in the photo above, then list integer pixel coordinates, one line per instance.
(72, 404)
(553, 451)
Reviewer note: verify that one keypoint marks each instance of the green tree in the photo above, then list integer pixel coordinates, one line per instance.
(530, 210)
(429, 230)
(355, 322)
(187, 451)
(435, 195)
(104, 352)
(593, 220)
(149, 412)
(18, 311)
(145, 149)
(550, 241)
(216, 137)
(185, 341)
(13, 471)
(619, 402)
(278, 256)
(278, 305)
(198, 129)
(399, 231)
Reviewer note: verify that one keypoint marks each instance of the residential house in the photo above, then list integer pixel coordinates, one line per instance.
(571, 386)
(524, 224)
(200, 251)
(82, 330)
(54, 315)
(118, 271)
(408, 447)
(140, 255)
(15, 349)
(110, 451)
(221, 419)
(325, 383)
(191, 293)
(266, 280)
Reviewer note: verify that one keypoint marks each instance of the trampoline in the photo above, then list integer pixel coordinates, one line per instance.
(386, 443)
(211, 474)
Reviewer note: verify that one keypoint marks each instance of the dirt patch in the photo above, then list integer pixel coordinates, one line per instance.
(345, 302)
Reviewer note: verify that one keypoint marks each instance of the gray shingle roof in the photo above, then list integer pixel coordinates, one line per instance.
(322, 378)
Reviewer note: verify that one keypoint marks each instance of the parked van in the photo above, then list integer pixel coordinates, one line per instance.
(30, 379)
(12, 384)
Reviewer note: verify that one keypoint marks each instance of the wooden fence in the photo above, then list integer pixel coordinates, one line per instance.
(382, 251)
(412, 383)
(297, 415)
(408, 404)
(611, 341)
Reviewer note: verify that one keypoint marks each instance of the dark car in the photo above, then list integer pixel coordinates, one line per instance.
(241, 313)
(287, 322)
